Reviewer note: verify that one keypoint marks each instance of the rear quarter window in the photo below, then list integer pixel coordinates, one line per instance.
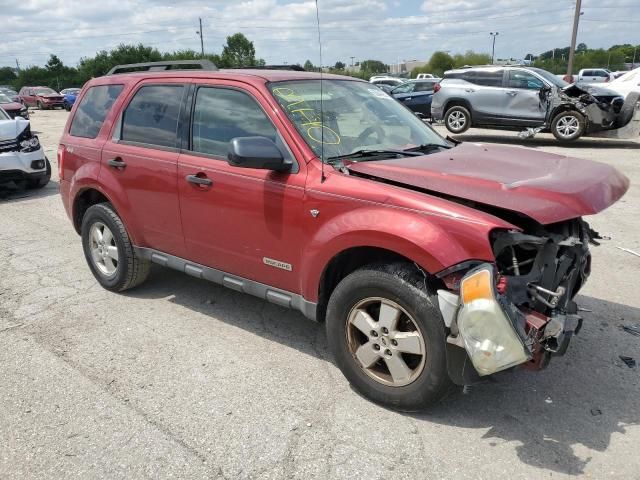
(93, 109)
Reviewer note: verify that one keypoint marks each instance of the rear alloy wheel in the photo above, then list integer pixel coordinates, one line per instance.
(388, 337)
(457, 119)
(108, 250)
(568, 126)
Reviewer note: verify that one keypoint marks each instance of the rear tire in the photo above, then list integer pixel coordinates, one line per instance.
(457, 119)
(568, 126)
(108, 250)
(41, 181)
(398, 288)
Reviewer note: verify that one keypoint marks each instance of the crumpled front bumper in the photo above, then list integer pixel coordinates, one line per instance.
(17, 165)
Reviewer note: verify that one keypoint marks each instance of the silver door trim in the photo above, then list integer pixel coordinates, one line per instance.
(240, 284)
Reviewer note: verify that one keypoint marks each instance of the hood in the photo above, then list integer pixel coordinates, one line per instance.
(49, 95)
(11, 106)
(546, 187)
(10, 129)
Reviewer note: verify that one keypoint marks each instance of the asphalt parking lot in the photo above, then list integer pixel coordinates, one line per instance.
(183, 379)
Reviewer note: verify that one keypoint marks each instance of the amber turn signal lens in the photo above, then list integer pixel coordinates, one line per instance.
(476, 286)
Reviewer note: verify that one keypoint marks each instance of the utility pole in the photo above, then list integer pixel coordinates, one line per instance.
(633, 62)
(199, 32)
(574, 35)
(493, 47)
(353, 58)
(18, 65)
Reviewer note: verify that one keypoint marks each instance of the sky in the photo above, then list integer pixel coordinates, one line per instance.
(286, 30)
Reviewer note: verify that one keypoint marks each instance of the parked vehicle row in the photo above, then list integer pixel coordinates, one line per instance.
(426, 270)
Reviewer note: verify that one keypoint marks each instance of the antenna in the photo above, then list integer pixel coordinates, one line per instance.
(322, 177)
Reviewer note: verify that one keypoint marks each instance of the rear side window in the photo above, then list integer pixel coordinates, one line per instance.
(588, 73)
(424, 86)
(484, 77)
(93, 109)
(221, 114)
(152, 116)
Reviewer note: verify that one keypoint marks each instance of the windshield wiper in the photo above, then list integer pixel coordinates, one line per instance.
(426, 147)
(374, 153)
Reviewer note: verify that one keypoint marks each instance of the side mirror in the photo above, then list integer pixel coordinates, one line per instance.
(257, 152)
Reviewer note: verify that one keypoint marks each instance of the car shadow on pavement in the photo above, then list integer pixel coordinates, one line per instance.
(549, 142)
(14, 193)
(581, 400)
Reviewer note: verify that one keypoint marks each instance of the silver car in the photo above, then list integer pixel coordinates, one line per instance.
(525, 98)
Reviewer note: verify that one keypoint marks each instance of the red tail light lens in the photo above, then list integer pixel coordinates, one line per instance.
(61, 152)
(436, 88)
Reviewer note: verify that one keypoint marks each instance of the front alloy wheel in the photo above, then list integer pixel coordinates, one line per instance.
(386, 341)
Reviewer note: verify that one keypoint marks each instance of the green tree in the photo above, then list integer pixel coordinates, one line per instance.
(440, 62)
(470, 58)
(308, 66)
(373, 67)
(7, 76)
(339, 66)
(238, 52)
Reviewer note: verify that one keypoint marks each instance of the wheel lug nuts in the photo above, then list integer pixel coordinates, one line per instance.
(376, 346)
(394, 342)
(374, 333)
(385, 330)
(387, 352)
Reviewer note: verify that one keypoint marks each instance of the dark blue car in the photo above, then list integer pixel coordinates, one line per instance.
(70, 95)
(416, 95)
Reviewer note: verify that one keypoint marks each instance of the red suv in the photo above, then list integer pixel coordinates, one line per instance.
(40, 97)
(432, 262)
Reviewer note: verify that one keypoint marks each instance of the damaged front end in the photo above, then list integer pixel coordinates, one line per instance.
(520, 309)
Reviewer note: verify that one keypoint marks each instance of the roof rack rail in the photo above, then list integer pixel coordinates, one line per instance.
(163, 66)
(295, 68)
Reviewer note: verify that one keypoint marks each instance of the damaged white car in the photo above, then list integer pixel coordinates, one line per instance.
(22, 159)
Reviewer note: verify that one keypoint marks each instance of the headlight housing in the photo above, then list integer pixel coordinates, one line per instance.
(488, 334)
(30, 144)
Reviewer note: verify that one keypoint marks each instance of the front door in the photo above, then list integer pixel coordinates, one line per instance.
(242, 221)
(141, 159)
(485, 93)
(522, 98)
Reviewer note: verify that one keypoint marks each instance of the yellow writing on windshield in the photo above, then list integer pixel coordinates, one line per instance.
(307, 117)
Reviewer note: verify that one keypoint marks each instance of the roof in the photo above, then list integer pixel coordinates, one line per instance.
(265, 75)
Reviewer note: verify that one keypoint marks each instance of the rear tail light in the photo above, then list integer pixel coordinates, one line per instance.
(436, 88)
(61, 152)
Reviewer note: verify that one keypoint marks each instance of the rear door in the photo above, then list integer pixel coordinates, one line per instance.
(420, 99)
(140, 161)
(245, 222)
(485, 93)
(522, 98)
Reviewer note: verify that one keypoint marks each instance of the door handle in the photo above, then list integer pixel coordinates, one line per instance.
(117, 163)
(195, 179)
(406, 99)
(511, 92)
(470, 90)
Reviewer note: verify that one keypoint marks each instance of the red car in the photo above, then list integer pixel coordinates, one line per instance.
(40, 97)
(14, 109)
(432, 262)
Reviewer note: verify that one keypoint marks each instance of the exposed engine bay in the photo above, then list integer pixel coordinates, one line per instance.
(520, 310)
(604, 110)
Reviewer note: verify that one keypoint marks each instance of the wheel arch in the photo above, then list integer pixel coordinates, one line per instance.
(457, 102)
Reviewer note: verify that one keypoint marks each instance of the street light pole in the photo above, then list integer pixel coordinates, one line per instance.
(574, 35)
(199, 32)
(493, 47)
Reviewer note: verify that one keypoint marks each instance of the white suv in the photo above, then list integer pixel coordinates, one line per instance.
(22, 158)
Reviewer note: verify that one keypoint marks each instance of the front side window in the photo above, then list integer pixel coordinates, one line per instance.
(522, 79)
(405, 88)
(93, 109)
(352, 116)
(221, 114)
(152, 116)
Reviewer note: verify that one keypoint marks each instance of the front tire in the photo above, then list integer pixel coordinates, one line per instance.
(388, 338)
(568, 126)
(457, 119)
(39, 105)
(108, 250)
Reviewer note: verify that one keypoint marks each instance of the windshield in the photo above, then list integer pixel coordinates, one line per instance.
(45, 91)
(5, 99)
(550, 77)
(355, 116)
